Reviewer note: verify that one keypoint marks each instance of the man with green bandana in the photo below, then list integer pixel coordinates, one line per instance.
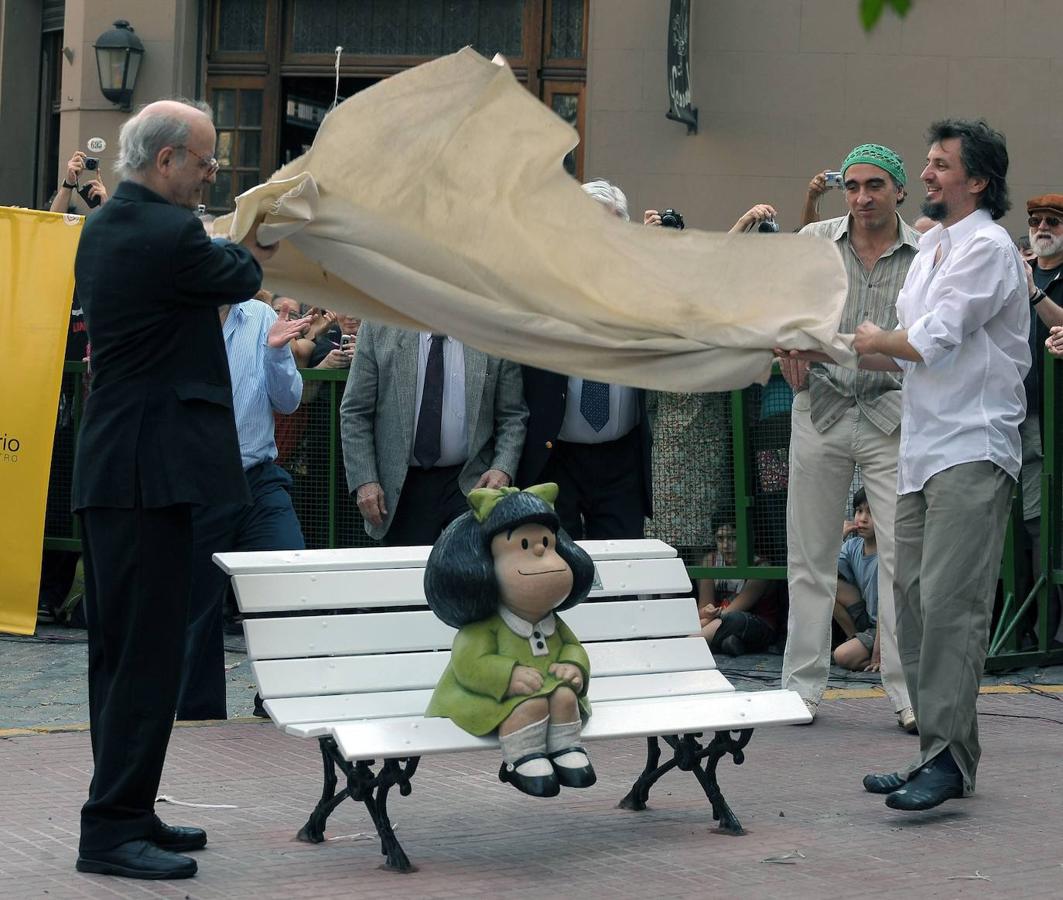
(843, 418)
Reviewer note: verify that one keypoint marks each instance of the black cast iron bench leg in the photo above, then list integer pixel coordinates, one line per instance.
(369, 788)
(689, 756)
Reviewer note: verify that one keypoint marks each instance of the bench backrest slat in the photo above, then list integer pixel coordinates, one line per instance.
(396, 632)
(354, 558)
(369, 588)
(319, 676)
(386, 704)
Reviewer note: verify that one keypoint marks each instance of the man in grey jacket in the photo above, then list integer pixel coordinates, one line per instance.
(424, 420)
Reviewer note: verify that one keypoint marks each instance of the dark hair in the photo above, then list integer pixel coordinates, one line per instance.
(860, 499)
(984, 154)
(459, 580)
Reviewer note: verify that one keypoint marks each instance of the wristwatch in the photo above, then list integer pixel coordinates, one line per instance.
(1037, 297)
(69, 187)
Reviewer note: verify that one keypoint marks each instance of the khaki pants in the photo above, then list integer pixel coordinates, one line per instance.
(821, 470)
(950, 536)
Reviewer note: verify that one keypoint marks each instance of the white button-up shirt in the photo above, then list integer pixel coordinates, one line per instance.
(968, 316)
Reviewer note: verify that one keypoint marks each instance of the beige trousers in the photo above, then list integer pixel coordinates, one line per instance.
(950, 536)
(821, 470)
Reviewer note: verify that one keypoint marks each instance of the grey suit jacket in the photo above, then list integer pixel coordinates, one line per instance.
(378, 406)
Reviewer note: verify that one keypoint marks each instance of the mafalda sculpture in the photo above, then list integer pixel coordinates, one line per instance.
(498, 574)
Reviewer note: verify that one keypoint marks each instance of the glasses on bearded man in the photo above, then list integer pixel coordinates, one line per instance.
(1050, 221)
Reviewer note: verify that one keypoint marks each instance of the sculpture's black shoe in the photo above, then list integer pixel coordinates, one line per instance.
(939, 780)
(137, 859)
(177, 839)
(884, 784)
(574, 776)
(534, 785)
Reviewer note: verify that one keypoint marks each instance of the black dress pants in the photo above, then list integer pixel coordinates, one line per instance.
(430, 500)
(599, 488)
(138, 565)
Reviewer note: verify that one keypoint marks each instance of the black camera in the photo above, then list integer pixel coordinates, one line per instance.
(91, 163)
(672, 219)
(768, 225)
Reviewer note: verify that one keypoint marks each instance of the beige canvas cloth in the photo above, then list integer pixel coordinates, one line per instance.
(436, 200)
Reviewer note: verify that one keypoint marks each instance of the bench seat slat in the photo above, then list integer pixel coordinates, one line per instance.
(370, 588)
(392, 704)
(416, 736)
(318, 676)
(397, 632)
(353, 558)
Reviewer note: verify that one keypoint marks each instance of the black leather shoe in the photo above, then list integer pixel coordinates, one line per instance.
(939, 780)
(137, 859)
(534, 785)
(574, 776)
(884, 784)
(176, 838)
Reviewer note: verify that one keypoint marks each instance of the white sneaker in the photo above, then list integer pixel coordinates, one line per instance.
(906, 720)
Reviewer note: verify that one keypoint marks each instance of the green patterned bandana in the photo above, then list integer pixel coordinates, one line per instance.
(880, 156)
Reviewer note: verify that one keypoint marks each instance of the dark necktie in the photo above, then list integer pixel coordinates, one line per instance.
(594, 404)
(430, 420)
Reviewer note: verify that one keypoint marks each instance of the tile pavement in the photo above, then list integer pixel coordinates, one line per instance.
(798, 792)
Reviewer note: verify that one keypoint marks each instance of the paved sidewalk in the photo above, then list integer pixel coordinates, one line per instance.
(798, 794)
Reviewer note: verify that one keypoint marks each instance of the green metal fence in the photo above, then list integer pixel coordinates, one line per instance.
(734, 462)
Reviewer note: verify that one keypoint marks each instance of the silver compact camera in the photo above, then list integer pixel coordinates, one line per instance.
(834, 179)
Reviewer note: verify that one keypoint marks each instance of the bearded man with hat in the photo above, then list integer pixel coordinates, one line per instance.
(841, 419)
(1044, 279)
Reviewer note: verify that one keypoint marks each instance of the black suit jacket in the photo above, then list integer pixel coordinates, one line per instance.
(545, 394)
(158, 427)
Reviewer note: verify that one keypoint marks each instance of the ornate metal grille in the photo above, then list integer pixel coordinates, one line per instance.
(242, 26)
(408, 27)
(566, 29)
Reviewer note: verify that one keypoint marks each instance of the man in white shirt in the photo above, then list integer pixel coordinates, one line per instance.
(963, 320)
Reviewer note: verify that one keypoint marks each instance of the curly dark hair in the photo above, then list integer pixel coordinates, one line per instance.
(459, 580)
(984, 153)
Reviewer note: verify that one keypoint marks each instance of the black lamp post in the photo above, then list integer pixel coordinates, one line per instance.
(118, 54)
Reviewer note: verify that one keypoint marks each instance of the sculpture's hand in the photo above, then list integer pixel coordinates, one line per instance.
(568, 672)
(524, 681)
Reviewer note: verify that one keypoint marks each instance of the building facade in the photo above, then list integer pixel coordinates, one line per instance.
(784, 88)
(269, 68)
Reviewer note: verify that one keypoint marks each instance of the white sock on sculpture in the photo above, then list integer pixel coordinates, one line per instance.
(565, 736)
(529, 739)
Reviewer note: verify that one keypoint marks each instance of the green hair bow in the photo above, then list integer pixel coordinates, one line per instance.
(483, 500)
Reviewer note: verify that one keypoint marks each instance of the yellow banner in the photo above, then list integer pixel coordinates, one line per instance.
(36, 285)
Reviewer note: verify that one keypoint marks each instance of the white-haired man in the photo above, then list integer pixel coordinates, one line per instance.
(593, 439)
(157, 437)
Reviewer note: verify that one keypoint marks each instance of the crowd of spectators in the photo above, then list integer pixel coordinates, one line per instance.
(422, 419)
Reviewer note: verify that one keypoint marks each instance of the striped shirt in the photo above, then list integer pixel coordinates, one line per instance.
(264, 379)
(872, 295)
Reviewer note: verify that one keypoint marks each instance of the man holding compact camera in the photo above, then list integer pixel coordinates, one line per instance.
(842, 419)
(92, 193)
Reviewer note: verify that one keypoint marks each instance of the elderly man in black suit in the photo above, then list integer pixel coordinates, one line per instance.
(158, 436)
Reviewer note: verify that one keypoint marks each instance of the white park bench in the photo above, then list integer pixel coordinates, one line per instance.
(356, 655)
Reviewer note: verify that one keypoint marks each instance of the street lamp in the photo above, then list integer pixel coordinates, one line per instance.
(118, 54)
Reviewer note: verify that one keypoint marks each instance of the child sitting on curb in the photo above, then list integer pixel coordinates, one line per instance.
(856, 607)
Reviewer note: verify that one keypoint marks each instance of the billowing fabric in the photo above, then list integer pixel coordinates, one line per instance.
(436, 200)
